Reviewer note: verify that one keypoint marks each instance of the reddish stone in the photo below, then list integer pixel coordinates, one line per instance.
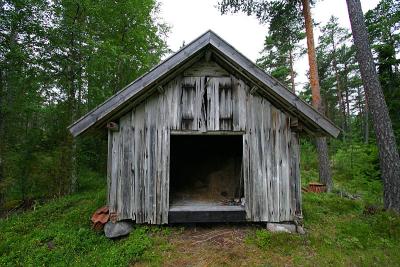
(316, 188)
(100, 218)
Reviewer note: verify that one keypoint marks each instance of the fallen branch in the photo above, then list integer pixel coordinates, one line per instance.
(207, 239)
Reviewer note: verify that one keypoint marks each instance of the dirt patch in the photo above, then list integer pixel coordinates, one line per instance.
(212, 245)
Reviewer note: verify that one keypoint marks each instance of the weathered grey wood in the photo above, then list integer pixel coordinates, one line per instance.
(125, 192)
(207, 133)
(296, 174)
(112, 191)
(205, 207)
(206, 68)
(139, 153)
(285, 169)
(109, 164)
(225, 52)
(271, 84)
(195, 216)
(139, 84)
(246, 176)
(139, 187)
(166, 161)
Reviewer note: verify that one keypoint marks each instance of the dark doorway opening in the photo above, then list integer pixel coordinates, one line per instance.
(205, 172)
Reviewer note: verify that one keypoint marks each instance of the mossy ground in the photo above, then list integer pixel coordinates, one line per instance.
(339, 233)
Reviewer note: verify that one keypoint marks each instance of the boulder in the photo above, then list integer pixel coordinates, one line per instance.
(281, 227)
(121, 228)
(301, 230)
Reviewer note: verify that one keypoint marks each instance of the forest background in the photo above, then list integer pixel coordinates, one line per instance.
(60, 59)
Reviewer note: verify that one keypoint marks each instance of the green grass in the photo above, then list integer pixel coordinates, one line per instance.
(59, 233)
(338, 234)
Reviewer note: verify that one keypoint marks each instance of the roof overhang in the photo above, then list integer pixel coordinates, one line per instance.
(228, 57)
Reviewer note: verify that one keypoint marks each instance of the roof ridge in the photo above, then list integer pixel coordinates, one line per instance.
(226, 52)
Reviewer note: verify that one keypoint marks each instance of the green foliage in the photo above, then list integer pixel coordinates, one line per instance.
(308, 162)
(339, 76)
(58, 60)
(281, 46)
(383, 24)
(262, 238)
(59, 234)
(356, 167)
(338, 233)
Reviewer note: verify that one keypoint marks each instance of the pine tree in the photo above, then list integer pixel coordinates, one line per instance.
(325, 175)
(281, 47)
(59, 59)
(383, 24)
(262, 11)
(332, 37)
(388, 154)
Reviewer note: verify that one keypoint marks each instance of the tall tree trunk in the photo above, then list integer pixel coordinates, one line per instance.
(388, 155)
(322, 147)
(346, 89)
(366, 124)
(71, 142)
(362, 114)
(338, 89)
(75, 86)
(292, 71)
(2, 137)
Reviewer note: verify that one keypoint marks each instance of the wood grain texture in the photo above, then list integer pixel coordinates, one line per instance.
(139, 175)
(186, 57)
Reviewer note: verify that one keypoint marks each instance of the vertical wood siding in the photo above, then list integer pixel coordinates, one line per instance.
(138, 164)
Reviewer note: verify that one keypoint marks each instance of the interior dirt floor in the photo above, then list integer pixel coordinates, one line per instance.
(206, 169)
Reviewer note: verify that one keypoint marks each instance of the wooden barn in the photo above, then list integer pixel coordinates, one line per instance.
(204, 136)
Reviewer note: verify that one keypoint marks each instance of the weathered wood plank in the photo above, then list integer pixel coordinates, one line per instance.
(247, 182)
(133, 170)
(285, 190)
(206, 68)
(174, 132)
(109, 165)
(296, 173)
(166, 160)
(193, 216)
(114, 174)
(158, 72)
(275, 164)
(139, 169)
(224, 52)
(125, 178)
(250, 69)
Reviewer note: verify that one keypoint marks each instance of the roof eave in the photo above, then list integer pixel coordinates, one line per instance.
(239, 61)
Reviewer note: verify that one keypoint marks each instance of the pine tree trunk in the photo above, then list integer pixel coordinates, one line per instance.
(71, 142)
(339, 90)
(363, 116)
(2, 94)
(75, 84)
(366, 124)
(322, 147)
(346, 89)
(388, 155)
(323, 159)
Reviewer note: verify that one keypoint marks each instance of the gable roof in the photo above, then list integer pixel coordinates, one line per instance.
(228, 57)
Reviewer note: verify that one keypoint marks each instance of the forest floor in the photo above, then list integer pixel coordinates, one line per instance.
(340, 232)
